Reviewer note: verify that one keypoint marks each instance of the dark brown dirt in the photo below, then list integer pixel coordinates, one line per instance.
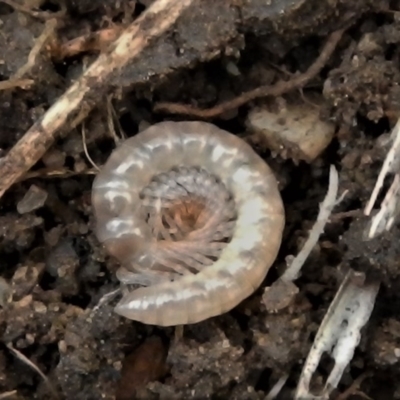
(57, 272)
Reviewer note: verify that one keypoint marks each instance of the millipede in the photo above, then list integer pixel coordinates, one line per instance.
(195, 218)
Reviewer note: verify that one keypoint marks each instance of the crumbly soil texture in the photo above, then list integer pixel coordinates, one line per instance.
(56, 311)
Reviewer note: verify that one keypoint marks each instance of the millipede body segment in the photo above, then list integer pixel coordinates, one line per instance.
(195, 218)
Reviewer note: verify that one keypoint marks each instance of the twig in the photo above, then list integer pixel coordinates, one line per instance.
(325, 211)
(276, 90)
(159, 17)
(30, 364)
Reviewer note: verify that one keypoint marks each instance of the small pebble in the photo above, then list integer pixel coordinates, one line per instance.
(34, 198)
(292, 130)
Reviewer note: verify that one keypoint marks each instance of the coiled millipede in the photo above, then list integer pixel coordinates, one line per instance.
(194, 216)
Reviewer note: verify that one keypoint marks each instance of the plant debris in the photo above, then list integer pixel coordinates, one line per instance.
(78, 77)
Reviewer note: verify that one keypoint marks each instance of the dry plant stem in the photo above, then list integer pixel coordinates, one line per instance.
(273, 393)
(30, 364)
(386, 168)
(159, 17)
(325, 211)
(276, 90)
(339, 333)
(7, 395)
(390, 206)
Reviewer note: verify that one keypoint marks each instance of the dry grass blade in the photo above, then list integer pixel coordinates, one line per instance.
(390, 206)
(325, 211)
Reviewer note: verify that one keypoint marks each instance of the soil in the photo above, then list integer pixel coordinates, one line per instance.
(55, 272)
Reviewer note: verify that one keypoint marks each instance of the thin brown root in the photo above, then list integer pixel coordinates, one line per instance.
(30, 364)
(94, 165)
(346, 214)
(278, 89)
(354, 388)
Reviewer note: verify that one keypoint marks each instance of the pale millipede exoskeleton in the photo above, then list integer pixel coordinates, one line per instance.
(194, 216)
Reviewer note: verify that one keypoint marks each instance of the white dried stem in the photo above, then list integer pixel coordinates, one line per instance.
(389, 164)
(390, 206)
(274, 392)
(385, 217)
(326, 207)
(108, 297)
(339, 333)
